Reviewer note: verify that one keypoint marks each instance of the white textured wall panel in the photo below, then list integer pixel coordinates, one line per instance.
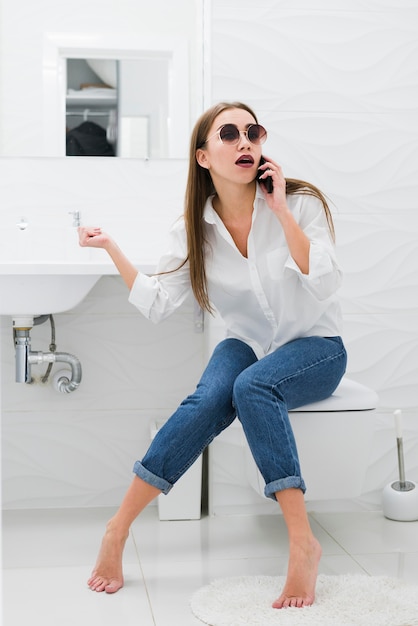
(383, 354)
(281, 55)
(367, 163)
(379, 256)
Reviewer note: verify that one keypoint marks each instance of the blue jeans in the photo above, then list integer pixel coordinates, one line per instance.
(260, 393)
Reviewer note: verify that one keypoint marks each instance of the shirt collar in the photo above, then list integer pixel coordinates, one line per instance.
(209, 214)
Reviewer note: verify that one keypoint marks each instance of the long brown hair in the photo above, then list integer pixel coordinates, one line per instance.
(200, 187)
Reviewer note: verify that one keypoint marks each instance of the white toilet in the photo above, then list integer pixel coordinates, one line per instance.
(334, 439)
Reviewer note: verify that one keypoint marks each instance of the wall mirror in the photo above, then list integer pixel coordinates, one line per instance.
(121, 96)
(109, 114)
(131, 77)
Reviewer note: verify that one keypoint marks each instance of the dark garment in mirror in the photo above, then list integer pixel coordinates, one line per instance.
(88, 139)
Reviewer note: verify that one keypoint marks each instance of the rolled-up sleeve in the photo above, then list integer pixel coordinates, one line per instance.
(159, 295)
(325, 275)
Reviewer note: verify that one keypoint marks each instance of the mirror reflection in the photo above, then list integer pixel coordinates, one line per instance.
(111, 112)
(91, 108)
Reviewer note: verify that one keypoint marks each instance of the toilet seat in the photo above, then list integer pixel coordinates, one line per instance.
(349, 396)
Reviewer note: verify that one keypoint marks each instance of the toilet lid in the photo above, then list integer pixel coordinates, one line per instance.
(349, 396)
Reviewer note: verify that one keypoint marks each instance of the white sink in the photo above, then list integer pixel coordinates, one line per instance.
(43, 270)
(37, 294)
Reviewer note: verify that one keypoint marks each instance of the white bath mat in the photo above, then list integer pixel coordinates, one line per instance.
(340, 601)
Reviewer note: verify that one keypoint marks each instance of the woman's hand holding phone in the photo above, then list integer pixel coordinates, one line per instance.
(268, 181)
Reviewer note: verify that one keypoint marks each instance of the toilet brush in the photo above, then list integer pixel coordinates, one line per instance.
(400, 498)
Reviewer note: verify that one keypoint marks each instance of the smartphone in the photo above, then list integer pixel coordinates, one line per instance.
(267, 182)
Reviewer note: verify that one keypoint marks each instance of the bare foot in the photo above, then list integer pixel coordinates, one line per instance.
(107, 574)
(299, 590)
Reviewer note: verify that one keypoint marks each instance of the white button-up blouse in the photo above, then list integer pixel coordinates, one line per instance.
(263, 299)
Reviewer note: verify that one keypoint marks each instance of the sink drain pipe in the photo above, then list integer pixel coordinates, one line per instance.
(25, 357)
(62, 383)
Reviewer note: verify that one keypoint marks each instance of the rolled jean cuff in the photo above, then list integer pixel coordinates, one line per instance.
(150, 478)
(291, 482)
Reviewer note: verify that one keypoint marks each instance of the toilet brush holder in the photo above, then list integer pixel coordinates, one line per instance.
(400, 498)
(400, 503)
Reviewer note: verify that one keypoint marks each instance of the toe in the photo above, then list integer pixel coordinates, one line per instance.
(113, 586)
(97, 584)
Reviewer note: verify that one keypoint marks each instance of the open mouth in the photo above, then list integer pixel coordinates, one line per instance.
(245, 160)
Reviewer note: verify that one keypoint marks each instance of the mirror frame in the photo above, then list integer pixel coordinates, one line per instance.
(58, 47)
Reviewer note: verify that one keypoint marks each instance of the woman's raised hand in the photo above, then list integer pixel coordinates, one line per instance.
(93, 237)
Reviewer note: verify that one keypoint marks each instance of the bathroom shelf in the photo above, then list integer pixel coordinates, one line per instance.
(83, 98)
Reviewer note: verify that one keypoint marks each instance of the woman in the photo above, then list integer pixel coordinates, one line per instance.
(264, 259)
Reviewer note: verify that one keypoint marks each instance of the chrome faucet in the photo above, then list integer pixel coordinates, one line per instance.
(76, 218)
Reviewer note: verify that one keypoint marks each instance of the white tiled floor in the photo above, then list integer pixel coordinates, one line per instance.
(48, 555)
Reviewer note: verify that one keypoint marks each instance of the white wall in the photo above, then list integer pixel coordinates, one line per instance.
(337, 88)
